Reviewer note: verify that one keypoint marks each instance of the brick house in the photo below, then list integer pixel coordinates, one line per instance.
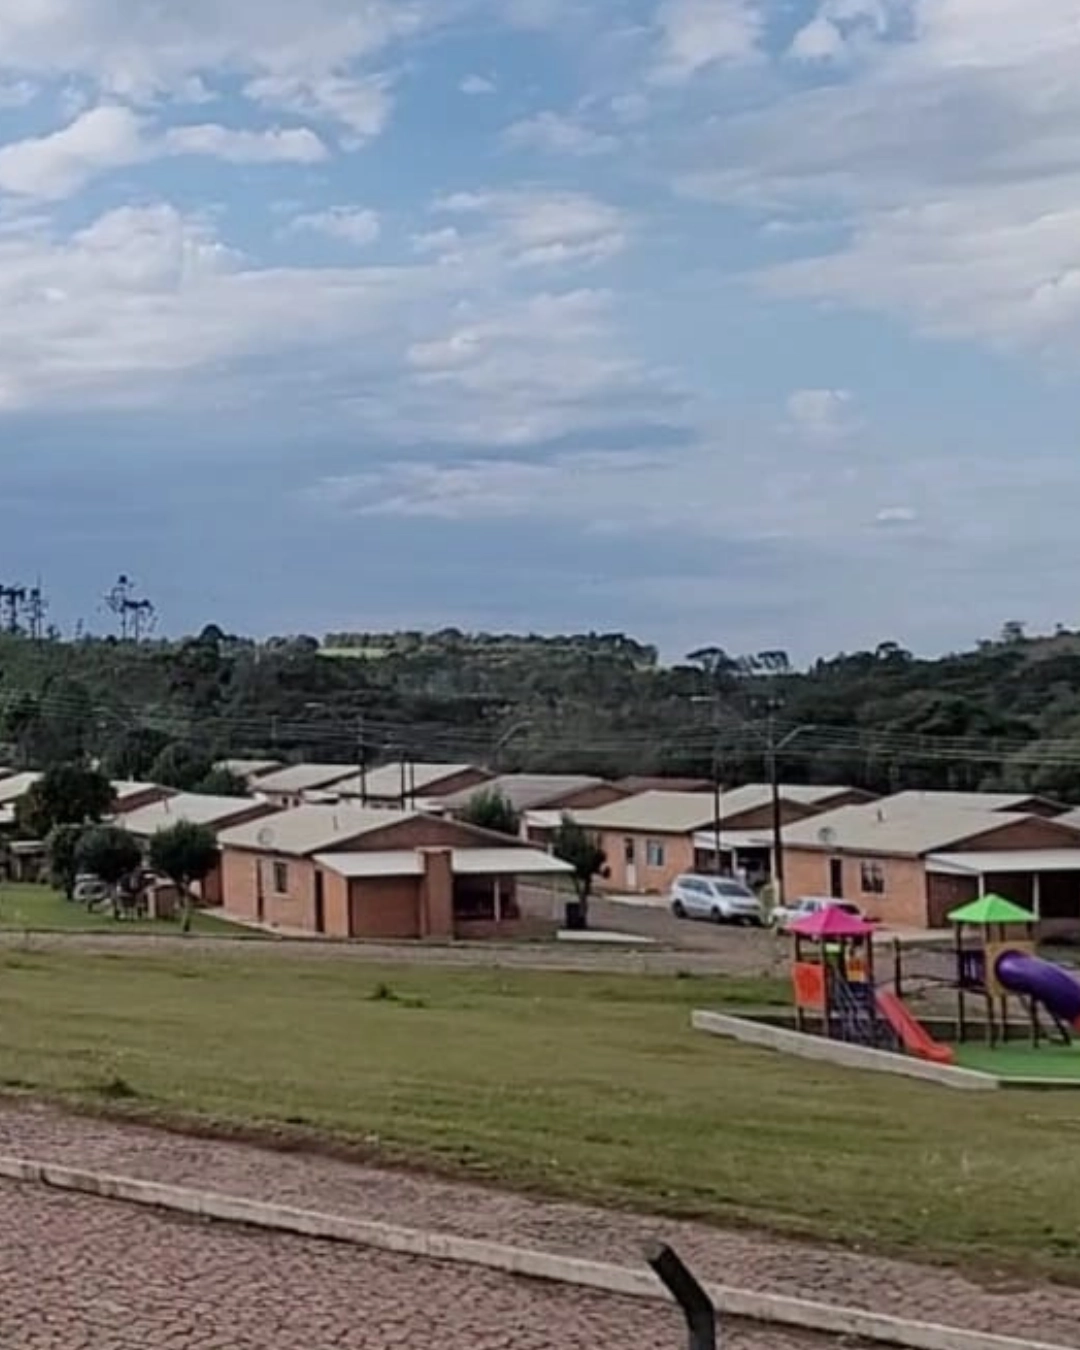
(649, 839)
(910, 865)
(353, 872)
(217, 813)
(290, 786)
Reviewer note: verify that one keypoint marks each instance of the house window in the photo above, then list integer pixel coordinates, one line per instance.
(654, 853)
(873, 878)
(281, 878)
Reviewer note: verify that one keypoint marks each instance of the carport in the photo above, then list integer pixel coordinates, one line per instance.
(743, 853)
(1046, 881)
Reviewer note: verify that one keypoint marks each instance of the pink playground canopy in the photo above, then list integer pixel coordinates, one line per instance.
(832, 922)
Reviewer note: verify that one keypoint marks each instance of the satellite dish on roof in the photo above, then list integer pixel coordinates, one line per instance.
(827, 836)
(265, 837)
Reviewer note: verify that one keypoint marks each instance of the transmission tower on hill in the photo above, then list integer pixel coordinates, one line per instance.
(135, 615)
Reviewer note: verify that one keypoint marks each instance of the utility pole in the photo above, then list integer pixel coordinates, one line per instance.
(361, 758)
(772, 768)
(717, 785)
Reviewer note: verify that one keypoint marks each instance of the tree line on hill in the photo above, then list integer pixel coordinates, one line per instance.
(1004, 715)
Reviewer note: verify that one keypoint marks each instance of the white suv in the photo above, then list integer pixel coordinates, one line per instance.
(719, 899)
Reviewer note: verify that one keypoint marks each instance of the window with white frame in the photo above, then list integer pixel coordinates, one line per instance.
(655, 853)
(281, 878)
(872, 876)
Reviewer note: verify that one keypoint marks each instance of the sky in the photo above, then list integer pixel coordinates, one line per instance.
(747, 322)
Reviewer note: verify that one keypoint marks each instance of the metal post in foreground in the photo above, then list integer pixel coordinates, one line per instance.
(684, 1288)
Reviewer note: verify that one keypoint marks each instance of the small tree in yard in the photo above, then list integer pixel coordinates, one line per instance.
(109, 853)
(186, 853)
(491, 810)
(575, 846)
(70, 794)
(62, 853)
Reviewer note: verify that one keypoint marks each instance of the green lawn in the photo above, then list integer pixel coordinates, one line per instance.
(37, 909)
(580, 1085)
(1017, 1060)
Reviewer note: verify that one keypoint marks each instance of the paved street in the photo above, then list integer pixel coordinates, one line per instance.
(83, 1274)
(120, 1255)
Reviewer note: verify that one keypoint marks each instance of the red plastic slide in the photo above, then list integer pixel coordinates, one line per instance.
(914, 1037)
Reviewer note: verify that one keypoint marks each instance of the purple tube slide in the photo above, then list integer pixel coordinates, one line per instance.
(1052, 986)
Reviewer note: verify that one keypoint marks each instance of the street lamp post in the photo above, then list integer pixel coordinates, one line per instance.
(504, 740)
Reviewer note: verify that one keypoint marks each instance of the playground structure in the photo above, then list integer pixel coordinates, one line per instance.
(993, 961)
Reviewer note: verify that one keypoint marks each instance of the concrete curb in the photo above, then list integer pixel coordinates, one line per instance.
(775, 1309)
(849, 1056)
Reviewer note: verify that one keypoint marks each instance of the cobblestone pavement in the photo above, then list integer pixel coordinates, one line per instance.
(1045, 1313)
(86, 1274)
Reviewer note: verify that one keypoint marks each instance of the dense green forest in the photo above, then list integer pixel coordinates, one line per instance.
(1004, 715)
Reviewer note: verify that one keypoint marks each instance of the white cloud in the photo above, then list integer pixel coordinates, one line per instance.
(960, 216)
(363, 106)
(296, 145)
(149, 306)
(843, 28)
(474, 85)
(894, 516)
(555, 134)
(322, 58)
(354, 225)
(62, 162)
(112, 137)
(530, 369)
(696, 34)
(145, 298)
(820, 414)
(535, 227)
(130, 47)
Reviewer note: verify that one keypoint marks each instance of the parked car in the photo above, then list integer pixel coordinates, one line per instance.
(783, 916)
(719, 899)
(90, 889)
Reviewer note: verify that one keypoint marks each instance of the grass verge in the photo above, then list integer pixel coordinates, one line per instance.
(590, 1086)
(37, 909)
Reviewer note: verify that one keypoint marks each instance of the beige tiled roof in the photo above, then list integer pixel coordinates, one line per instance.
(526, 790)
(196, 807)
(310, 829)
(972, 801)
(249, 768)
(664, 812)
(388, 779)
(682, 812)
(908, 830)
(297, 778)
(11, 789)
(124, 789)
(489, 862)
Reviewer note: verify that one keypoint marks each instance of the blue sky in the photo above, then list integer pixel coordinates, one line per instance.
(726, 321)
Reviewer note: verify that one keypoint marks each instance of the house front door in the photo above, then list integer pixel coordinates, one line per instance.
(320, 904)
(836, 878)
(630, 857)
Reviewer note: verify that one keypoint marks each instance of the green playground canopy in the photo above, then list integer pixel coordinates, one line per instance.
(990, 909)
